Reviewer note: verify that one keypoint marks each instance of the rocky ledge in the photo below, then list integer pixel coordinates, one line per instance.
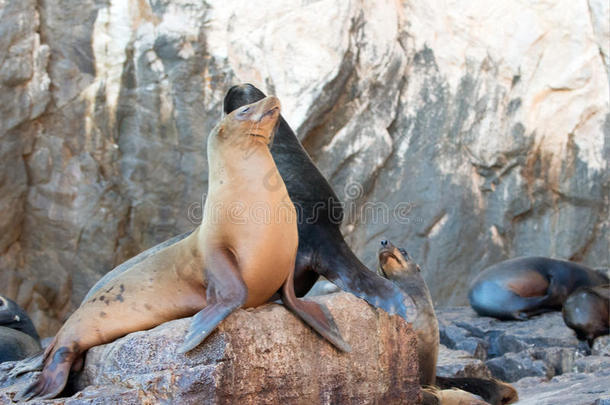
(541, 357)
(257, 356)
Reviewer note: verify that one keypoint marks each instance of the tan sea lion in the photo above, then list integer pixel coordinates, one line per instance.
(396, 265)
(233, 259)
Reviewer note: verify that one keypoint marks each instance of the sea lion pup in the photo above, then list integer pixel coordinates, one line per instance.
(322, 249)
(527, 286)
(232, 260)
(18, 336)
(587, 312)
(396, 265)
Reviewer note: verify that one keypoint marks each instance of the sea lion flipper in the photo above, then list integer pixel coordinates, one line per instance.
(342, 268)
(314, 314)
(54, 376)
(226, 291)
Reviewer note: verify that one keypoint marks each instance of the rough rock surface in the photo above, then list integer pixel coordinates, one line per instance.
(541, 357)
(459, 363)
(257, 356)
(467, 132)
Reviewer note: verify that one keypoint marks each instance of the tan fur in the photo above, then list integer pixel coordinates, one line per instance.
(455, 396)
(240, 183)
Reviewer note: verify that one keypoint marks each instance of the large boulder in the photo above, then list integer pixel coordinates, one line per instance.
(257, 356)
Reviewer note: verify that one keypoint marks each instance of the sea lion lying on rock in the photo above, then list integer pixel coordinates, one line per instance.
(231, 260)
(523, 287)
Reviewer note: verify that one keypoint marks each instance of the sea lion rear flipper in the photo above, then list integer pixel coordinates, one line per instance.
(54, 376)
(314, 314)
(226, 291)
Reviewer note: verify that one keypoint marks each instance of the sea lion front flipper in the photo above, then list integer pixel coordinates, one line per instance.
(226, 291)
(314, 314)
(342, 268)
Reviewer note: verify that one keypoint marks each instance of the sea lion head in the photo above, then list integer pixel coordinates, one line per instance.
(395, 262)
(12, 316)
(255, 122)
(241, 94)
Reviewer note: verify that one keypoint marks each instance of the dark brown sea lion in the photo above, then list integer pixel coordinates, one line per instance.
(322, 248)
(18, 336)
(232, 260)
(527, 286)
(396, 265)
(587, 312)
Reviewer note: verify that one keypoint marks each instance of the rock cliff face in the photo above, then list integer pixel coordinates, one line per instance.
(467, 132)
(257, 356)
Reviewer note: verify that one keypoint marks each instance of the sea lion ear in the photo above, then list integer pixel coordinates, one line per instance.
(218, 131)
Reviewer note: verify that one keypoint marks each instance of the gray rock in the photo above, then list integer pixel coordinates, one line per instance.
(601, 346)
(541, 357)
(547, 330)
(512, 367)
(459, 363)
(592, 364)
(570, 388)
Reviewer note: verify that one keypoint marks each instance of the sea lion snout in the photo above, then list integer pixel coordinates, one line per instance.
(389, 261)
(259, 120)
(267, 108)
(394, 260)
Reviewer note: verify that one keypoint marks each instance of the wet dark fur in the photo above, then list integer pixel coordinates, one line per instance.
(502, 290)
(493, 391)
(18, 336)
